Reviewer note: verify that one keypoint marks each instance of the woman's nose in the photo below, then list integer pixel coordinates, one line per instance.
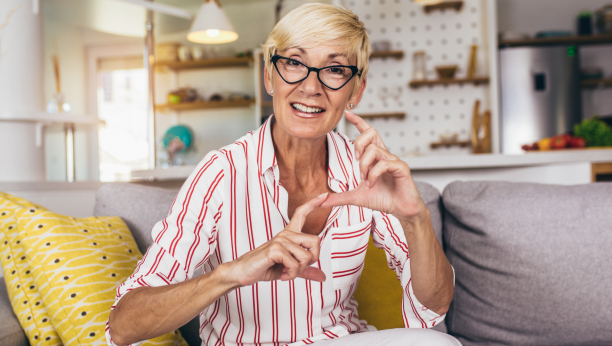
(311, 85)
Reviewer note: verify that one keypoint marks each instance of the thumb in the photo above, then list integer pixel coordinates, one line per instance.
(299, 216)
(353, 197)
(313, 273)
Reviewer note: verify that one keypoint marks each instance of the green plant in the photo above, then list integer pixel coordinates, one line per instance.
(595, 132)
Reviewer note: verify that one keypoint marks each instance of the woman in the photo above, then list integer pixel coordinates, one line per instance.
(279, 221)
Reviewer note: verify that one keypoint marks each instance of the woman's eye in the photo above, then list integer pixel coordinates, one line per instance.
(294, 63)
(336, 70)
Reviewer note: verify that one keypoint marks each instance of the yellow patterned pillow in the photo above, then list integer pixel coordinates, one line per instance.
(22, 291)
(78, 265)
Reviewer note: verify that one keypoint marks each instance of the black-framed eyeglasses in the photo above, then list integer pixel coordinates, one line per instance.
(333, 77)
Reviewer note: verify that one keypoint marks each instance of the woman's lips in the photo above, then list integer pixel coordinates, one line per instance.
(306, 114)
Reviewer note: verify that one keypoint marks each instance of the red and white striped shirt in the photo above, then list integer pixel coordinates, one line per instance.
(233, 203)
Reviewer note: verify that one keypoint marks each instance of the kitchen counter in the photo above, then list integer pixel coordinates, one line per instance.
(435, 163)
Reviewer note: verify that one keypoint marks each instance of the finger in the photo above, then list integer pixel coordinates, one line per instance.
(280, 255)
(353, 197)
(367, 138)
(395, 169)
(303, 256)
(299, 216)
(370, 157)
(313, 273)
(356, 120)
(309, 242)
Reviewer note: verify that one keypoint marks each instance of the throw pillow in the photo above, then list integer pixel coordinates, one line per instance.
(77, 265)
(22, 291)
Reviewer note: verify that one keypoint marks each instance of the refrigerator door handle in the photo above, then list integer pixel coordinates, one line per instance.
(539, 81)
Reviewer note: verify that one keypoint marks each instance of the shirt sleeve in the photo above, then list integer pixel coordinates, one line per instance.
(388, 234)
(185, 239)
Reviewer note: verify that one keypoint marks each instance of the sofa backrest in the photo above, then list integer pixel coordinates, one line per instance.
(139, 206)
(533, 263)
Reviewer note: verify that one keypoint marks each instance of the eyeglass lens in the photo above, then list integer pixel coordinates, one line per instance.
(333, 76)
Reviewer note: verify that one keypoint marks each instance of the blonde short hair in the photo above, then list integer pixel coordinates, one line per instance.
(315, 23)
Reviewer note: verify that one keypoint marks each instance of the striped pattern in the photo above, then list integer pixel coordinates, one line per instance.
(77, 265)
(23, 293)
(231, 204)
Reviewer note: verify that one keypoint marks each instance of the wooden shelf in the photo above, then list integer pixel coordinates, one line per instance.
(444, 5)
(398, 115)
(462, 144)
(205, 63)
(551, 41)
(431, 82)
(397, 54)
(186, 106)
(597, 83)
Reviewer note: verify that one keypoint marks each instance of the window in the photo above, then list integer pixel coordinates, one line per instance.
(122, 104)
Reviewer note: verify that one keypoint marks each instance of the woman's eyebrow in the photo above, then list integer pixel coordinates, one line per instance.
(336, 55)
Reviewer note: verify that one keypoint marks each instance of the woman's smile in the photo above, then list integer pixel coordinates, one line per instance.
(307, 111)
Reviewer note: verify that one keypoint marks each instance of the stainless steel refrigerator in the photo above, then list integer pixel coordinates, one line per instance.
(540, 94)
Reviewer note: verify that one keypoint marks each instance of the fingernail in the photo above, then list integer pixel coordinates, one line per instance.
(323, 195)
(367, 184)
(361, 176)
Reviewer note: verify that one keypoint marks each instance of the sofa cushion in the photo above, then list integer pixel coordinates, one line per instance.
(379, 293)
(11, 333)
(141, 207)
(532, 263)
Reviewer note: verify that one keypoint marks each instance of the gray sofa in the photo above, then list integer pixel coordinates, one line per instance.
(533, 262)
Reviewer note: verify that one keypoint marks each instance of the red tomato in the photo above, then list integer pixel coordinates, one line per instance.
(577, 142)
(559, 142)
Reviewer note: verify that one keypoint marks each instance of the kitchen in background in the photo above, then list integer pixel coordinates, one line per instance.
(434, 91)
(556, 71)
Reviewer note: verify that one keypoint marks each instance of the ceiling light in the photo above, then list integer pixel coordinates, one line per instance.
(212, 25)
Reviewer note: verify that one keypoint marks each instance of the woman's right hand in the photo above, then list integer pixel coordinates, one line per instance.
(286, 256)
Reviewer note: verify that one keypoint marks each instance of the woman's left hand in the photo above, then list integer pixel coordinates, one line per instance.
(386, 185)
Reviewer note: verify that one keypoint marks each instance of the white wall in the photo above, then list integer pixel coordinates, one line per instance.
(20, 90)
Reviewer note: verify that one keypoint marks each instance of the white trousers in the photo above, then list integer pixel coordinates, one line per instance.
(394, 337)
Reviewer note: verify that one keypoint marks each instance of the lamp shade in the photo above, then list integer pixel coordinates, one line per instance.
(211, 25)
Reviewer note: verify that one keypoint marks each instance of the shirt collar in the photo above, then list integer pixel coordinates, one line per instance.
(337, 151)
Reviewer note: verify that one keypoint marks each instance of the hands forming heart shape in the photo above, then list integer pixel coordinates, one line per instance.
(386, 185)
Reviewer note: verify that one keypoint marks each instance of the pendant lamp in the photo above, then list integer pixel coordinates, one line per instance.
(211, 25)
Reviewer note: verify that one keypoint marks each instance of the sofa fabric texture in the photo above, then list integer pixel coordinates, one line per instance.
(532, 263)
(10, 330)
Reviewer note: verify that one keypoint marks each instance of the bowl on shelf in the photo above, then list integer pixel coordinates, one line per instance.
(446, 71)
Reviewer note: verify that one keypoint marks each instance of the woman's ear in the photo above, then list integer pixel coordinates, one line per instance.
(267, 81)
(353, 101)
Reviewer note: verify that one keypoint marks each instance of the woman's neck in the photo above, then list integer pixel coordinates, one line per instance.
(301, 159)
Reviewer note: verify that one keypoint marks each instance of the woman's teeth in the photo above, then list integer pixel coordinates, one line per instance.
(303, 108)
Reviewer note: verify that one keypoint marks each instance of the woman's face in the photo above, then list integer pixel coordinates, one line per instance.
(329, 105)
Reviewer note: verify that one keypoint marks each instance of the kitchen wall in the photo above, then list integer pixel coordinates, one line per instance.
(531, 16)
(445, 37)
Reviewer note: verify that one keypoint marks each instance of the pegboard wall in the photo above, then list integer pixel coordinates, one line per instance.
(446, 37)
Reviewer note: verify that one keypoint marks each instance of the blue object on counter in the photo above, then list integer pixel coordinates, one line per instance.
(553, 33)
(182, 132)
